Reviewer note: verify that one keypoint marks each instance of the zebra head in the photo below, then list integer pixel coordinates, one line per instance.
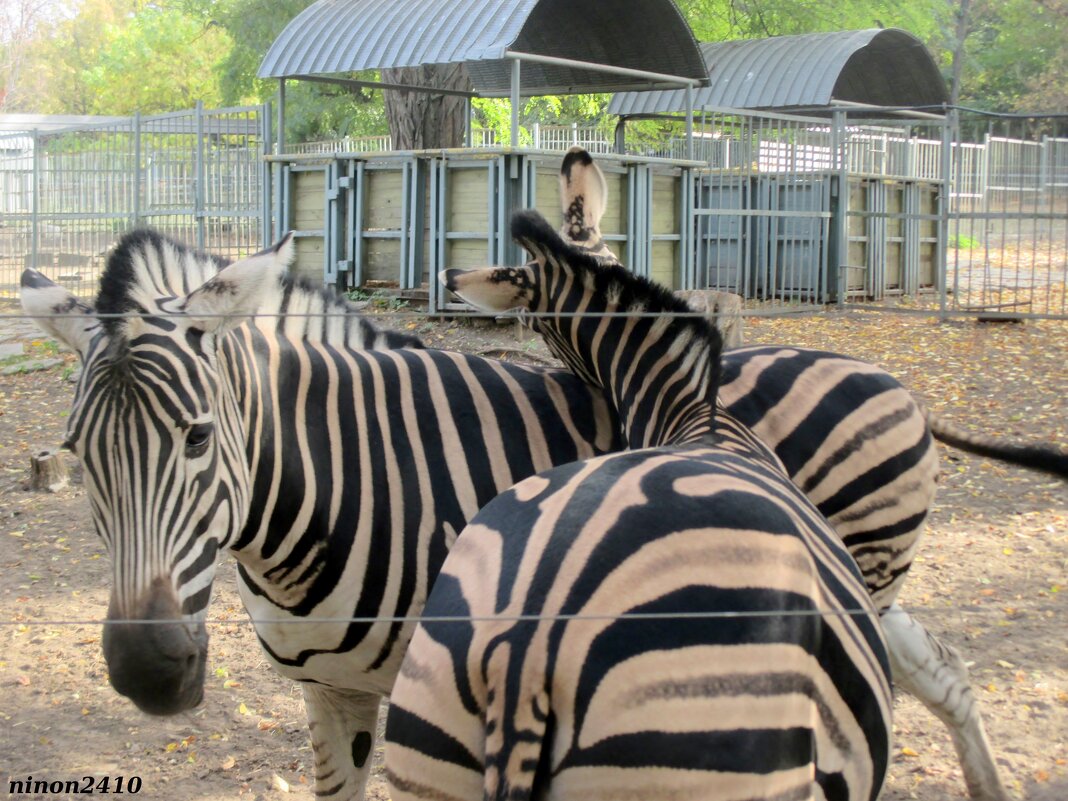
(583, 200)
(613, 329)
(159, 433)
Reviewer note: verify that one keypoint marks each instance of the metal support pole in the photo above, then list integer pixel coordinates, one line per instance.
(944, 198)
(136, 187)
(280, 137)
(198, 197)
(268, 177)
(469, 124)
(515, 102)
(35, 202)
(840, 221)
(689, 121)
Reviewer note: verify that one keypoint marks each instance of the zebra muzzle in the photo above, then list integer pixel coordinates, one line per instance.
(154, 657)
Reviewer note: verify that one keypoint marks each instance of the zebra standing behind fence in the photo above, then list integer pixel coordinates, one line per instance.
(859, 446)
(335, 462)
(675, 621)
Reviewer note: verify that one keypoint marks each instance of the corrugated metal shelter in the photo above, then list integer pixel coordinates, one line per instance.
(333, 37)
(875, 67)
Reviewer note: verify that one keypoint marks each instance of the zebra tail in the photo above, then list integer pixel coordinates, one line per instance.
(1036, 456)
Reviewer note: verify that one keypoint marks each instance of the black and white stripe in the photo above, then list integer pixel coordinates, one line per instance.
(586, 669)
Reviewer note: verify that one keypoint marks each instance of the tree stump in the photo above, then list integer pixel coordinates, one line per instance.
(48, 470)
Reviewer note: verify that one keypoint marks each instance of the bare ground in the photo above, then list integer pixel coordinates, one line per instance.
(992, 579)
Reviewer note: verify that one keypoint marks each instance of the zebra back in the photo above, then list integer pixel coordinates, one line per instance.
(672, 621)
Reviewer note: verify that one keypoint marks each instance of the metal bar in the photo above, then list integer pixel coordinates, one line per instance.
(266, 176)
(280, 138)
(198, 193)
(949, 129)
(35, 201)
(593, 67)
(405, 225)
(357, 234)
(689, 121)
(776, 213)
(136, 187)
(400, 87)
(515, 102)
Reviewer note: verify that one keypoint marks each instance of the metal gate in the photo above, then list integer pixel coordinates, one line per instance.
(67, 194)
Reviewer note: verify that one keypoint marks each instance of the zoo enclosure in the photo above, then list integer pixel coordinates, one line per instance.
(67, 194)
(760, 213)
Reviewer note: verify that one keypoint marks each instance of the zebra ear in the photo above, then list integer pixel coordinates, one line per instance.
(239, 290)
(58, 313)
(583, 196)
(492, 289)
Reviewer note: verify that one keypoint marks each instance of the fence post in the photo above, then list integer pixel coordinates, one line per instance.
(198, 183)
(840, 221)
(944, 201)
(35, 203)
(136, 182)
(266, 176)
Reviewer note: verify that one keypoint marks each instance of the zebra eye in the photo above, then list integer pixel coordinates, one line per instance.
(196, 441)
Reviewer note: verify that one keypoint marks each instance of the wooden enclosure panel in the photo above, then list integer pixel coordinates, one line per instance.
(856, 227)
(547, 193)
(383, 200)
(465, 253)
(614, 220)
(382, 260)
(664, 264)
(467, 201)
(308, 261)
(665, 204)
(307, 193)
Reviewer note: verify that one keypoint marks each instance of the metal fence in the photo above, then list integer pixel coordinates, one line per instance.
(798, 210)
(66, 195)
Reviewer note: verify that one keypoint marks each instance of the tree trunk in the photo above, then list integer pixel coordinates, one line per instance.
(418, 120)
(957, 66)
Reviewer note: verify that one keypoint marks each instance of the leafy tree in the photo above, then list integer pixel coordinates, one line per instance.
(159, 60)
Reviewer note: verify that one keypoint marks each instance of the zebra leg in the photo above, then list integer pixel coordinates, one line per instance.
(934, 672)
(343, 725)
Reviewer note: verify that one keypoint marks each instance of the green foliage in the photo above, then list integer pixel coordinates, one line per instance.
(117, 56)
(496, 114)
(159, 60)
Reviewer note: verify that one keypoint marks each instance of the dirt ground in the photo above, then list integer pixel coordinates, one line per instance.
(992, 579)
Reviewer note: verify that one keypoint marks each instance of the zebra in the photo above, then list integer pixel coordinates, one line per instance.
(860, 446)
(229, 407)
(527, 679)
(304, 547)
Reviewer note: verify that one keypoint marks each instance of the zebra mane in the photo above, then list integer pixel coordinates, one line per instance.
(146, 266)
(531, 230)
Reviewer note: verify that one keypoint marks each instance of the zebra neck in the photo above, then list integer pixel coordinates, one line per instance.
(660, 373)
(301, 312)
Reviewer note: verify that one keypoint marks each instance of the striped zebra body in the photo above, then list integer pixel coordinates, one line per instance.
(594, 664)
(334, 461)
(857, 443)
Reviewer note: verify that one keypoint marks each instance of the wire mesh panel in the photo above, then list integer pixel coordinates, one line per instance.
(67, 195)
(762, 206)
(1008, 221)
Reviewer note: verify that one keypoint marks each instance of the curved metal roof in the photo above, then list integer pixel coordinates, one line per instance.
(344, 36)
(880, 67)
